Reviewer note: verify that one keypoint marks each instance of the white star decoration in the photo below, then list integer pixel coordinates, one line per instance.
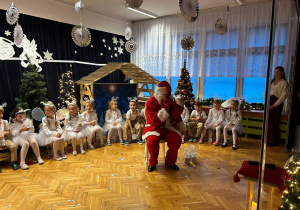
(109, 48)
(47, 55)
(101, 54)
(105, 45)
(115, 40)
(7, 33)
(92, 46)
(111, 56)
(115, 48)
(121, 42)
(103, 40)
(116, 54)
(75, 52)
(120, 50)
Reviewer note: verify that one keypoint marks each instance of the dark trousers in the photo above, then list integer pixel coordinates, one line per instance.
(274, 121)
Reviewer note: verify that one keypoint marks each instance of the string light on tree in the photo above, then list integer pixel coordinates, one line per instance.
(67, 89)
(290, 197)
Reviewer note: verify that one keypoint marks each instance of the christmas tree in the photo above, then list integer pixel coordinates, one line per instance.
(185, 88)
(67, 90)
(291, 196)
(32, 89)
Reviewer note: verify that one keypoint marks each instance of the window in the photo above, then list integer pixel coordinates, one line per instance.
(219, 87)
(253, 89)
(174, 84)
(150, 86)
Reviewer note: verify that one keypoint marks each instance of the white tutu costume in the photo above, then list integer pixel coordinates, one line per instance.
(234, 117)
(71, 125)
(89, 117)
(50, 127)
(17, 137)
(113, 116)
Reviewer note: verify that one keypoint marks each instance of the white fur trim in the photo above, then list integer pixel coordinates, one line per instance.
(161, 90)
(181, 126)
(150, 133)
(163, 115)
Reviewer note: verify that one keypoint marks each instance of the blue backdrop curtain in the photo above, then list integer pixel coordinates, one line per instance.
(56, 37)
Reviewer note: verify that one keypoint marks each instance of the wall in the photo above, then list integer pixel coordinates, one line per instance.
(54, 10)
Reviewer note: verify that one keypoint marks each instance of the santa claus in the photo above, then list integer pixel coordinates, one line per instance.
(163, 122)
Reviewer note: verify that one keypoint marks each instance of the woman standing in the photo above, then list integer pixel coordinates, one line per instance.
(279, 91)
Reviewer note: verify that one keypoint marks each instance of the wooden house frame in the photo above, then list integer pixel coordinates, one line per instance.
(145, 82)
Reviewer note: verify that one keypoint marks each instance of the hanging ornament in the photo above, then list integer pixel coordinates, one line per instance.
(187, 43)
(134, 3)
(81, 36)
(128, 33)
(79, 7)
(221, 26)
(189, 9)
(18, 35)
(12, 14)
(131, 46)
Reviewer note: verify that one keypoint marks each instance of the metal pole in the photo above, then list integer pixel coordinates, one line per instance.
(266, 112)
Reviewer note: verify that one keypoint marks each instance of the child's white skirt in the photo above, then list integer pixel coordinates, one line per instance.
(25, 135)
(69, 135)
(89, 129)
(43, 139)
(108, 126)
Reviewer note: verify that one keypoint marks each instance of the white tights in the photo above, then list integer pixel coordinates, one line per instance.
(234, 133)
(218, 131)
(62, 146)
(25, 146)
(81, 142)
(99, 134)
(110, 132)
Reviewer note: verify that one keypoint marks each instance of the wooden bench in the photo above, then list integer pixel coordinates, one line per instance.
(250, 188)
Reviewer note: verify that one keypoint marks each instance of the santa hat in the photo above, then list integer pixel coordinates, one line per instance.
(163, 88)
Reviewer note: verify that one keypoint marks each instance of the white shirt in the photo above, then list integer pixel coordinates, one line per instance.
(72, 124)
(113, 116)
(280, 90)
(233, 117)
(16, 126)
(89, 117)
(132, 115)
(4, 126)
(197, 114)
(214, 115)
(185, 115)
(51, 126)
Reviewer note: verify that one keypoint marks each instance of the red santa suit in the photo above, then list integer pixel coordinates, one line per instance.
(163, 125)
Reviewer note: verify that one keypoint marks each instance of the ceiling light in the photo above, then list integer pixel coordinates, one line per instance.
(144, 12)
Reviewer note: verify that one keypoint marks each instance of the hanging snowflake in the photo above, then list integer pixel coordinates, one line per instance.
(12, 15)
(221, 26)
(128, 33)
(131, 46)
(18, 35)
(189, 9)
(187, 43)
(81, 36)
(79, 7)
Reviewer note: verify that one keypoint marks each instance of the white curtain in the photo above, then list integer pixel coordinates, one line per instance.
(241, 52)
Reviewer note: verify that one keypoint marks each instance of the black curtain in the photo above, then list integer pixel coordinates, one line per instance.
(56, 37)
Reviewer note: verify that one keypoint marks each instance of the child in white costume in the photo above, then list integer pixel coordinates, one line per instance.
(90, 122)
(23, 134)
(74, 128)
(214, 121)
(232, 122)
(51, 131)
(113, 120)
(185, 114)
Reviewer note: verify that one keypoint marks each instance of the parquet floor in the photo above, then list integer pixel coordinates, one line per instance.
(116, 178)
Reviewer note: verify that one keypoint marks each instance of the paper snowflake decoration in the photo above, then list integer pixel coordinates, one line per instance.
(18, 35)
(131, 46)
(79, 7)
(221, 26)
(12, 15)
(187, 43)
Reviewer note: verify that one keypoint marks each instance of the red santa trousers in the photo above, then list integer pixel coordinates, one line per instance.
(173, 140)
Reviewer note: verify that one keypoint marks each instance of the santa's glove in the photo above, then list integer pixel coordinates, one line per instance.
(167, 102)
